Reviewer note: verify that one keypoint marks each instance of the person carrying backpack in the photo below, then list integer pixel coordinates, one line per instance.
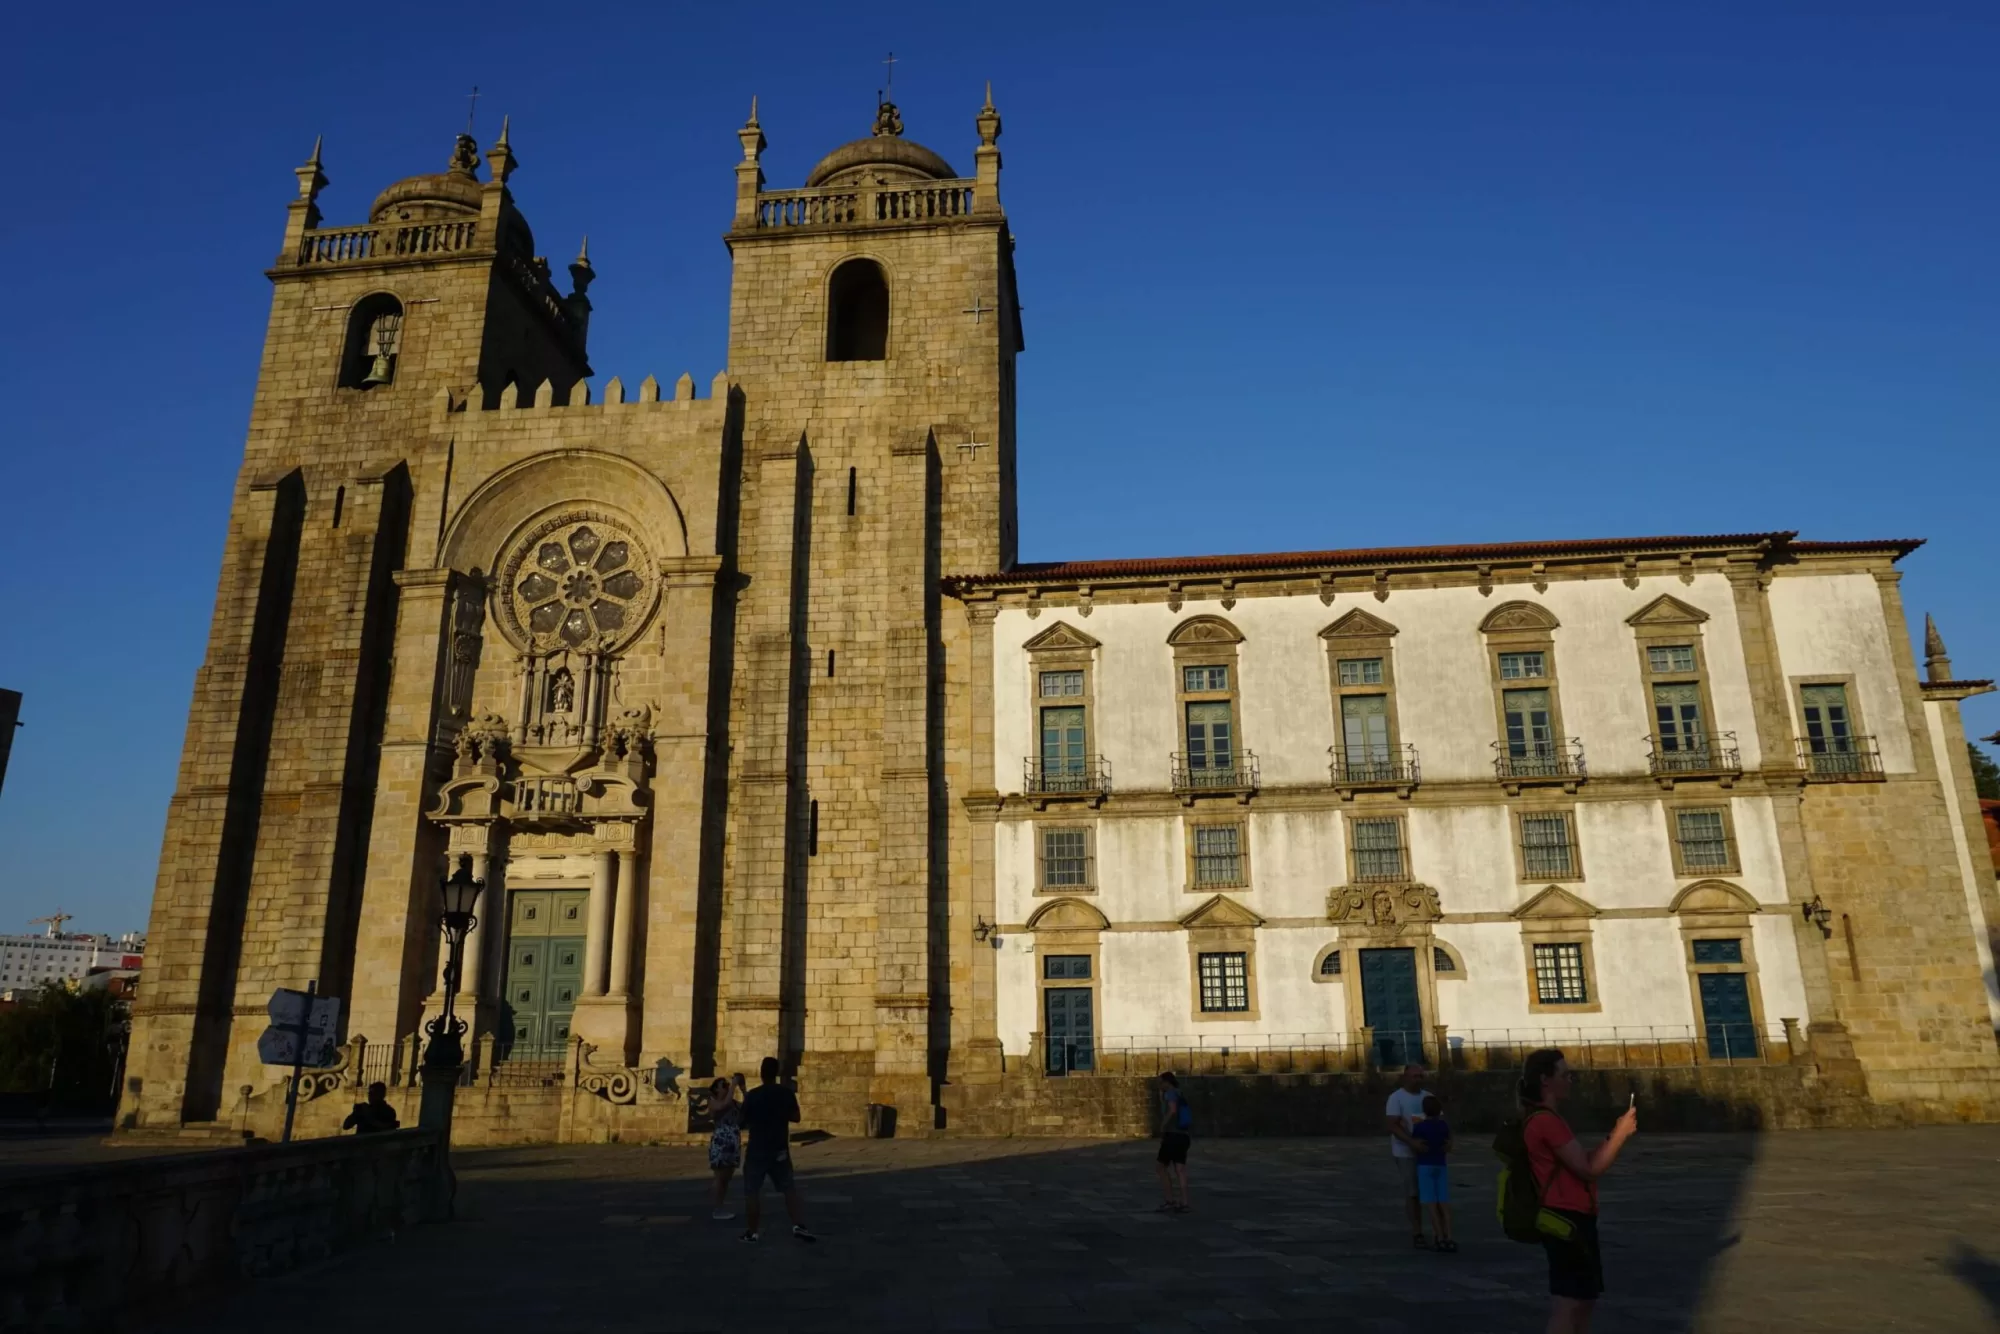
(1548, 1188)
(1176, 1132)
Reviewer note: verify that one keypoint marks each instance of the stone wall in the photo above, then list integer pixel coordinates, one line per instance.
(81, 1247)
(1695, 1098)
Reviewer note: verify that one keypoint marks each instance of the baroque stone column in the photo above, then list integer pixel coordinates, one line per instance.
(598, 922)
(624, 913)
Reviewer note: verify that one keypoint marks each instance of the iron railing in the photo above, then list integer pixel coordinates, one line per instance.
(1714, 753)
(1230, 771)
(1556, 758)
(1840, 757)
(1374, 766)
(1074, 773)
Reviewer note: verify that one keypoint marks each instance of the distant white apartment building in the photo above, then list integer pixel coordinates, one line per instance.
(27, 962)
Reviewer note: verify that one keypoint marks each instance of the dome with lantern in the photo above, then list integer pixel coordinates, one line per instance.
(884, 155)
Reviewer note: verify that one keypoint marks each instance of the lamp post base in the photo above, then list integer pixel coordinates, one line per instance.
(434, 1115)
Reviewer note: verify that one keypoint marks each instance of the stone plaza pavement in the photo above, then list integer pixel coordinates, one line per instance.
(1806, 1231)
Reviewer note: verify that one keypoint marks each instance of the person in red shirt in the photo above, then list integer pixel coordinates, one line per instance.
(1567, 1176)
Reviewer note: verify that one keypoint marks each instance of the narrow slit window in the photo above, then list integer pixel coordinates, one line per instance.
(339, 503)
(812, 831)
(829, 662)
(850, 491)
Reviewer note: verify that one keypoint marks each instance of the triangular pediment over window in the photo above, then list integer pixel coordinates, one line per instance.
(1220, 911)
(1555, 901)
(1667, 609)
(1061, 635)
(1358, 624)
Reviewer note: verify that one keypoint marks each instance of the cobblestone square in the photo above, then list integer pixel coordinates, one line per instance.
(1806, 1231)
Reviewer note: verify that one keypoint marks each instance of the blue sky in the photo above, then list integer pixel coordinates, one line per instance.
(1415, 272)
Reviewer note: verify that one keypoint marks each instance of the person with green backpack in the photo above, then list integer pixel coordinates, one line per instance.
(1548, 1188)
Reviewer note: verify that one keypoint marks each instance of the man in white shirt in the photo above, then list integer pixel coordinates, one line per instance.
(1405, 1109)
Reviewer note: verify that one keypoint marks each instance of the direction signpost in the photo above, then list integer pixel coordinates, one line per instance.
(301, 1034)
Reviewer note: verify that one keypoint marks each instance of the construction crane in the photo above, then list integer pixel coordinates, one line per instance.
(54, 922)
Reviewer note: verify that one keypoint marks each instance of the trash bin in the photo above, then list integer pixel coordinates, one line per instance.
(881, 1120)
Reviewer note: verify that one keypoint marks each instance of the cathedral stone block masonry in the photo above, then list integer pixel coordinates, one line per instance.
(764, 742)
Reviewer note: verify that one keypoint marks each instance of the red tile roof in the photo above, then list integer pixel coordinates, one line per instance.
(1083, 571)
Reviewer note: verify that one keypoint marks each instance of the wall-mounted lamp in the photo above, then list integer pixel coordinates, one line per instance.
(1818, 914)
(984, 931)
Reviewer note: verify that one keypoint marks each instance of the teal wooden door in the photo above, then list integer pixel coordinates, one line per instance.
(1725, 1012)
(1365, 730)
(1531, 734)
(544, 971)
(1390, 1005)
(1070, 1044)
(1677, 712)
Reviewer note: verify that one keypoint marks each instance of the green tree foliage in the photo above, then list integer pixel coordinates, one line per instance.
(62, 1043)
(1985, 773)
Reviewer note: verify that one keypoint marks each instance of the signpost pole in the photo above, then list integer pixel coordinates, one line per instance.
(298, 1062)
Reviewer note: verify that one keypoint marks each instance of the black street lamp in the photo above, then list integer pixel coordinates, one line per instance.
(458, 893)
(444, 1058)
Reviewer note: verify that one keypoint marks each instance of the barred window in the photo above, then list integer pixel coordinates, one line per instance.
(1718, 951)
(1523, 666)
(1062, 683)
(1218, 854)
(1066, 967)
(1671, 657)
(1378, 850)
(1225, 982)
(1197, 680)
(1545, 847)
(1704, 840)
(1066, 857)
(1330, 965)
(1441, 960)
(1361, 671)
(1559, 974)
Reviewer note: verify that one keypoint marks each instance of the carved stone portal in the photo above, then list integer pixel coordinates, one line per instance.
(1385, 908)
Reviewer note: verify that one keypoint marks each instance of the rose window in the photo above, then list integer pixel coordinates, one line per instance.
(579, 586)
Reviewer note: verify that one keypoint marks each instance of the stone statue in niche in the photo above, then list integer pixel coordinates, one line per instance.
(562, 691)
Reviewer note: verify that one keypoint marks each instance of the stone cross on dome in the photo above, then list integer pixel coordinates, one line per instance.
(888, 120)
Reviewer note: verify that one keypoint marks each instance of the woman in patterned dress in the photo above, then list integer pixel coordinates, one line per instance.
(725, 1142)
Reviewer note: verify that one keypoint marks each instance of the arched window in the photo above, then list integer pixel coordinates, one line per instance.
(857, 312)
(1443, 962)
(1329, 964)
(374, 339)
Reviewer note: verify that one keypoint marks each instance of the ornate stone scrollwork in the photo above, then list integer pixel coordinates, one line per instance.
(1387, 908)
(318, 1083)
(617, 1085)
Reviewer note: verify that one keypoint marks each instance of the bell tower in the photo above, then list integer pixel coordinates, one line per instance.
(271, 830)
(873, 329)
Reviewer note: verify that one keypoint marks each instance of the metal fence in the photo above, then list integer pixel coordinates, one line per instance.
(1587, 1048)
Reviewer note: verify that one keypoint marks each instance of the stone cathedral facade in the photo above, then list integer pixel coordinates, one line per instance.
(764, 742)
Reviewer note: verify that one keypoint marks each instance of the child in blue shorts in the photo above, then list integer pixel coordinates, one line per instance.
(1433, 1137)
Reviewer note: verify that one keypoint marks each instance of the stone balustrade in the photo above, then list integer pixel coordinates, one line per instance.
(354, 245)
(85, 1245)
(834, 206)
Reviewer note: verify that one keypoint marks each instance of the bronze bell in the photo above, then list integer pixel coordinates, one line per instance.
(382, 371)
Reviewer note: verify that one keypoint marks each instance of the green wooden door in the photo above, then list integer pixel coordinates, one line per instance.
(544, 970)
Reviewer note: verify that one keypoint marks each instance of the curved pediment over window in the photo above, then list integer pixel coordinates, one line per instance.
(1713, 896)
(1519, 616)
(1067, 915)
(1205, 630)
